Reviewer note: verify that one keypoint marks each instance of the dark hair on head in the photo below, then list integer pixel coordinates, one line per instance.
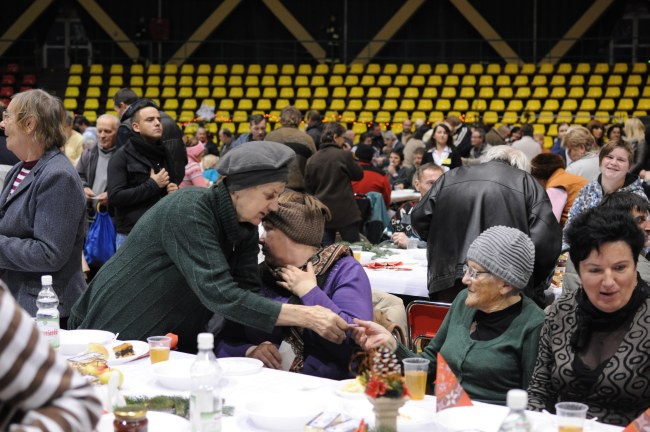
(544, 165)
(613, 126)
(81, 120)
(450, 137)
(256, 119)
(481, 133)
(124, 95)
(625, 201)
(613, 145)
(398, 153)
(314, 116)
(419, 132)
(331, 130)
(598, 226)
(527, 129)
(515, 129)
(226, 132)
(420, 151)
(290, 116)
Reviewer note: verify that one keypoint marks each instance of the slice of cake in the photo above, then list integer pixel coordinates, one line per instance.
(123, 350)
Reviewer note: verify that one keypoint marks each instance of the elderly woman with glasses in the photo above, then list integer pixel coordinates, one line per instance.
(42, 205)
(490, 335)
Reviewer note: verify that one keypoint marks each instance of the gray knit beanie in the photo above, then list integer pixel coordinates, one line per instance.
(506, 253)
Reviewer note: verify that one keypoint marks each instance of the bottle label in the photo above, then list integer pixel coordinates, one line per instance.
(49, 328)
(205, 411)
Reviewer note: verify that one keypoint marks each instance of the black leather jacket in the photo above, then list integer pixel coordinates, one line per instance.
(468, 200)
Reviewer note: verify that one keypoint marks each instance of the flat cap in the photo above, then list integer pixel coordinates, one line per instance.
(254, 163)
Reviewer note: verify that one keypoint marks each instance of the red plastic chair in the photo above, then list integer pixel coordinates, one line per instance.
(8, 80)
(424, 320)
(29, 80)
(6, 92)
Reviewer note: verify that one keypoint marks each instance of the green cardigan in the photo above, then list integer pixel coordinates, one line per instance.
(486, 369)
(187, 258)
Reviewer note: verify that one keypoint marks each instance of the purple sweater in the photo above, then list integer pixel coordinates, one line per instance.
(346, 292)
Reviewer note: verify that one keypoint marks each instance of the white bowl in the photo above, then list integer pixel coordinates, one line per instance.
(73, 342)
(366, 257)
(289, 413)
(174, 374)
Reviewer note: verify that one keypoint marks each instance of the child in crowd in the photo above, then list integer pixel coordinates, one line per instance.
(209, 164)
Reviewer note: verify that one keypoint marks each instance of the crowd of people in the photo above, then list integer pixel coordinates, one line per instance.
(496, 210)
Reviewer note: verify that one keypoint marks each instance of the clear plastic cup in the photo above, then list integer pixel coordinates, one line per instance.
(159, 347)
(415, 375)
(571, 416)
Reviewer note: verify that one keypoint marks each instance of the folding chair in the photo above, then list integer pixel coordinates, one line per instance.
(424, 320)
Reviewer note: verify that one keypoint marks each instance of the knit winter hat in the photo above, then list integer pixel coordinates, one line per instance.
(195, 151)
(255, 163)
(506, 253)
(365, 153)
(301, 217)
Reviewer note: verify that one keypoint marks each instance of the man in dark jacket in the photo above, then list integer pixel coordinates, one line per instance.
(468, 200)
(141, 171)
(172, 137)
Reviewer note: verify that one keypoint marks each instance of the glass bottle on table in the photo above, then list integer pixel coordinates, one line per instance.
(47, 314)
(516, 420)
(205, 397)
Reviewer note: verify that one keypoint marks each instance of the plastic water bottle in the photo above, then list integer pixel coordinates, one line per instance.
(47, 315)
(516, 420)
(205, 398)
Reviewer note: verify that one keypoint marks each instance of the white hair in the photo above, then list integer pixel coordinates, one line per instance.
(515, 158)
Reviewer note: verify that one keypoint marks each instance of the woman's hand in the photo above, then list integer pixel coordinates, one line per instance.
(297, 281)
(268, 354)
(391, 169)
(400, 239)
(370, 335)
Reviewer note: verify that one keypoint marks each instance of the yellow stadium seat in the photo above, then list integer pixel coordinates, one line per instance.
(288, 69)
(235, 81)
(468, 81)
(503, 80)
(558, 80)
(203, 69)
(424, 69)
(558, 93)
(511, 69)
(407, 69)
(509, 117)
(136, 81)
(564, 68)
(341, 93)
(606, 104)
(366, 117)
(527, 69)
(620, 68)
(219, 92)
(633, 92)
(358, 69)
(434, 81)
(417, 81)
(583, 69)
(601, 69)
(339, 69)
(576, 92)
(91, 115)
(70, 104)
(321, 92)
(407, 105)
(639, 113)
(441, 69)
(479, 105)
(168, 92)
(220, 69)
(96, 69)
(582, 117)
(168, 80)
(72, 92)
(235, 92)
(402, 81)
(425, 105)
(269, 93)
(305, 69)
(640, 68)
(390, 69)
(318, 105)
(252, 81)
(388, 105)
(476, 69)
(587, 104)
(245, 104)
(185, 81)
(281, 103)
(634, 80)
(595, 80)
(576, 80)
(371, 105)
(443, 105)
(452, 81)
(486, 81)
(170, 69)
(540, 93)
(458, 69)
(93, 92)
(287, 92)
(76, 69)
(506, 92)
(493, 69)
(615, 80)
(222, 116)
(467, 93)
(538, 80)
(374, 93)
(138, 91)
(615, 92)
(218, 81)
(569, 105)
(189, 104)
(434, 116)
(539, 129)
(497, 105)
(170, 104)
(254, 69)
(185, 92)
(359, 128)
(448, 93)
(460, 105)
(486, 93)
(533, 105)
(116, 69)
(545, 69)
(201, 81)
(382, 117)
(384, 80)
(337, 104)
(545, 117)
(154, 69)
(91, 104)
(353, 80)
(187, 69)
(348, 116)
(430, 93)
(414, 93)
(393, 93)
(520, 81)
(490, 117)
(643, 104)
(251, 93)
(95, 80)
(472, 117)
(515, 105)
(355, 104)
(522, 93)
(594, 92)
(237, 69)
(267, 81)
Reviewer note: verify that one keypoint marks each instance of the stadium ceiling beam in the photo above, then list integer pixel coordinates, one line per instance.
(111, 28)
(296, 29)
(204, 31)
(22, 23)
(388, 31)
(576, 31)
(487, 31)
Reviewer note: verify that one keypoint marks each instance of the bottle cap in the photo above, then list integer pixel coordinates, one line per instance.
(206, 340)
(517, 399)
(46, 280)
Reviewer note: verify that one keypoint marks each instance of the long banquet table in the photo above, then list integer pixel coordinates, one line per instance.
(273, 386)
(410, 281)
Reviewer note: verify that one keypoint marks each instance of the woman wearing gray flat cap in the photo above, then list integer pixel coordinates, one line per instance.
(490, 335)
(195, 254)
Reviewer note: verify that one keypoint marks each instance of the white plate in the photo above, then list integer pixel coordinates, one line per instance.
(174, 374)
(340, 390)
(158, 421)
(236, 366)
(140, 350)
(289, 413)
(477, 417)
(74, 342)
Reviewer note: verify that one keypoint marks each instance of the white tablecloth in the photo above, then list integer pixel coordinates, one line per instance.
(412, 282)
(398, 196)
(276, 385)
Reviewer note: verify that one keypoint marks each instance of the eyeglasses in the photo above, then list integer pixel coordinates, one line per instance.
(472, 272)
(7, 114)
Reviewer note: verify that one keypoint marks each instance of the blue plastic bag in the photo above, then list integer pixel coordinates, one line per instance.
(100, 241)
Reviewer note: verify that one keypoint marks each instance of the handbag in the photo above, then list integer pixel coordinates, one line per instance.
(100, 241)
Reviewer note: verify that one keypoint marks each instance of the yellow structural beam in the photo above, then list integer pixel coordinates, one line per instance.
(112, 29)
(22, 23)
(485, 29)
(204, 31)
(576, 31)
(296, 29)
(388, 31)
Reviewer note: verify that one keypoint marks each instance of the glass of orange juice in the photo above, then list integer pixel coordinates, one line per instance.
(571, 416)
(415, 374)
(159, 348)
(356, 252)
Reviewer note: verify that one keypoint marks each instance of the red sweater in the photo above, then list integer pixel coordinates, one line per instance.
(373, 181)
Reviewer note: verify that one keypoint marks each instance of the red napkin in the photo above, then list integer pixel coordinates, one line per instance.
(380, 265)
(640, 424)
(449, 393)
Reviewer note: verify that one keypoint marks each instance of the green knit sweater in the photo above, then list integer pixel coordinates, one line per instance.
(486, 369)
(186, 258)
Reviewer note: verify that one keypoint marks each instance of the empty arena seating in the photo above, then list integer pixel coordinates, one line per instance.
(355, 94)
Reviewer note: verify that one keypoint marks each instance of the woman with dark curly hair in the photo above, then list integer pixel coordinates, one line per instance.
(441, 149)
